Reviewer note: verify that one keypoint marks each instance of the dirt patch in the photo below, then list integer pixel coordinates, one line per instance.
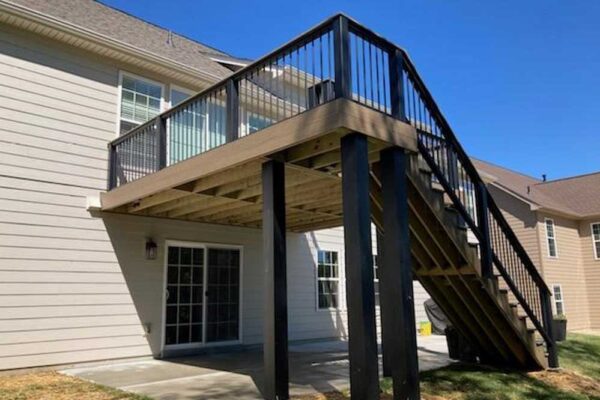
(568, 380)
(54, 386)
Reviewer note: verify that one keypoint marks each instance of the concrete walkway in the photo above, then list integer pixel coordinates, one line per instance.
(314, 367)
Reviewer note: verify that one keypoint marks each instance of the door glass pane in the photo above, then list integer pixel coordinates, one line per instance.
(183, 319)
(222, 318)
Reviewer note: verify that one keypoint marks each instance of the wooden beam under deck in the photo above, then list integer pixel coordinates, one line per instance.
(224, 185)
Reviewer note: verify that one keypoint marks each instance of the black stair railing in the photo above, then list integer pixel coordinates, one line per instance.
(501, 252)
(339, 58)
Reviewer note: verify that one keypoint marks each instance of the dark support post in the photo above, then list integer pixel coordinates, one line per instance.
(396, 283)
(341, 54)
(548, 318)
(161, 142)
(360, 296)
(396, 84)
(276, 383)
(112, 167)
(485, 246)
(387, 334)
(233, 112)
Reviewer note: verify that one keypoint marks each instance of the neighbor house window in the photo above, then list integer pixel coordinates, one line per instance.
(596, 239)
(559, 302)
(328, 279)
(551, 238)
(140, 101)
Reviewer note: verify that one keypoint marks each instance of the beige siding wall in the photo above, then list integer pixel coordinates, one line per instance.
(591, 266)
(73, 286)
(63, 297)
(521, 219)
(567, 269)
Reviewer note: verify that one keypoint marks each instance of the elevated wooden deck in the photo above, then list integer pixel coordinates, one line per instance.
(223, 185)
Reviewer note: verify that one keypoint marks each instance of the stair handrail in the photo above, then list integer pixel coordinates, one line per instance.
(544, 327)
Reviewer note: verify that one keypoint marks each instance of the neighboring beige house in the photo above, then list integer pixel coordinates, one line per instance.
(558, 223)
(75, 287)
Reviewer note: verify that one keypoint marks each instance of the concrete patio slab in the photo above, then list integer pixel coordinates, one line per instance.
(314, 367)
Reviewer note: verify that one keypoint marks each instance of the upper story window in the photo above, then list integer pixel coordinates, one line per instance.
(328, 279)
(179, 96)
(141, 100)
(596, 239)
(551, 238)
(559, 301)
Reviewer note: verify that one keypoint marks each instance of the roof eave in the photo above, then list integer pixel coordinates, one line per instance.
(56, 28)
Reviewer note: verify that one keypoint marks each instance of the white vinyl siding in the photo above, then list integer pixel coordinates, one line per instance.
(559, 301)
(551, 238)
(596, 239)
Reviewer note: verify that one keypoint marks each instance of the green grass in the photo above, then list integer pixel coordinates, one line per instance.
(466, 382)
(581, 353)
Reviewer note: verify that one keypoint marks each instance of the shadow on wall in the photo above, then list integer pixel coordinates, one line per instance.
(145, 278)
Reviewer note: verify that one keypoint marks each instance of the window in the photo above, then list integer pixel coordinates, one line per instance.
(140, 101)
(596, 239)
(328, 279)
(178, 96)
(559, 302)
(551, 238)
(257, 122)
(376, 277)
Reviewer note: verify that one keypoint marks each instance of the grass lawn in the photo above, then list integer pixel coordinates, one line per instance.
(54, 386)
(579, 379)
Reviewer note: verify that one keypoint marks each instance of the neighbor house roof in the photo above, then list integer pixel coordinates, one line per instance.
(577, 196)
(107, 22)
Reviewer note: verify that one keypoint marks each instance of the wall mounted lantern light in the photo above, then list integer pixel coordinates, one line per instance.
(151, 249)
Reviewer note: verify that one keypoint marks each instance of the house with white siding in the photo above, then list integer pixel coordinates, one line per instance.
(160, 197)
(75, 284)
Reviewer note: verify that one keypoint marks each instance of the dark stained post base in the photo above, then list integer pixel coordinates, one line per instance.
(275, 347)
(360, 296)
(396, 283)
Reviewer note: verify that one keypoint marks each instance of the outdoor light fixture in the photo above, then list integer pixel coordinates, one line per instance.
(151, 249)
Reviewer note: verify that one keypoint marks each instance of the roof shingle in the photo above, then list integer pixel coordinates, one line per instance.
(123, 27)
(578, 196)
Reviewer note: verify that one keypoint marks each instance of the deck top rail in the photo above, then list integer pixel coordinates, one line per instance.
(338, 58)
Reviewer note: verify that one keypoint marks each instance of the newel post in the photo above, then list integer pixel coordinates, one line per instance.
(485, 245)
(341, 55)
(548, 320)
(396, 65)
(161, 142)
(112, 167)
(233, 110)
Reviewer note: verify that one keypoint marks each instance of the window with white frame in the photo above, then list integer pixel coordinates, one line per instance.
(559, 301)
(551, 238)
(140, 101)
(596, 239)
(328, 279)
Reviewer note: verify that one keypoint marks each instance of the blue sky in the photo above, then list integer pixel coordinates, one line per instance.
(519, 81)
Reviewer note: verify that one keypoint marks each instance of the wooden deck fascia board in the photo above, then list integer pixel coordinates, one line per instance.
(339, 116)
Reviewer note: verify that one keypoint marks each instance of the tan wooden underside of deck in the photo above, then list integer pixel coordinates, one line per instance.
(223, 185)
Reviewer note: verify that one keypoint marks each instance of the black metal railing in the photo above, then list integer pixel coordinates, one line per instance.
(501, 253)
(339, 58)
